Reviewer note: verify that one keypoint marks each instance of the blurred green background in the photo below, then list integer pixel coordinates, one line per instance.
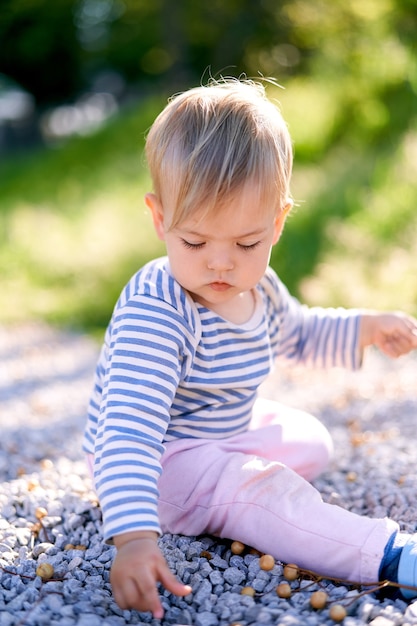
(95, 73)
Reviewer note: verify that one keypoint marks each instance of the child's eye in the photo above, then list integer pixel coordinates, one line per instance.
(192, 246)
(250, 246)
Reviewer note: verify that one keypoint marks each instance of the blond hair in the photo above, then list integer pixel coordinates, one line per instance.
(211, 141)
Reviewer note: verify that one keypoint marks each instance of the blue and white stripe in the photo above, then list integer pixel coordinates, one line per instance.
(170, 368)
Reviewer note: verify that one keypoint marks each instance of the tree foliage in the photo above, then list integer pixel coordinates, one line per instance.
(55, 48)
(39, 47)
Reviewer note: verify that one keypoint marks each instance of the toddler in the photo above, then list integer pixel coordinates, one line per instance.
(177, 437)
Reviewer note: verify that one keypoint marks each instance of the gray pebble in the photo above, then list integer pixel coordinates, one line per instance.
(41, 548)
(73, 521)
(217, 561)
(7, 618)
(83, 597)
(76, 562)
(205, 568)
(65, 621)
(187, 567)
(206, 618)
(203, 592)
(195, 581)
(93, 553)
(259, 584)
(53, 601)
(89, 619)
(234, 576)
(94, 581)
(106, 556)
(114, 620)
(237, 561)
(79, 575)
(193, 550)
(216, 577)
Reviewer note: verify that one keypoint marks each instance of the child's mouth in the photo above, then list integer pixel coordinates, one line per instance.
(220, 286)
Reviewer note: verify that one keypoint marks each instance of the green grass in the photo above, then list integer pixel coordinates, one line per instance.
(74, 227)
(352, 240)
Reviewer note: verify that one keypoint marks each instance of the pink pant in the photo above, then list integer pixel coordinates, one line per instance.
(254, 488)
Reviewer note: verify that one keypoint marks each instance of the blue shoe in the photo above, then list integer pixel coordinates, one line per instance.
(407, 568)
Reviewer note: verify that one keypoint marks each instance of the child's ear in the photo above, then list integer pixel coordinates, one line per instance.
(153, 203)
(280, 221)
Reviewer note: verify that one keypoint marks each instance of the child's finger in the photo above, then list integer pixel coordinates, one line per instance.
(172, 584)
(398, 345)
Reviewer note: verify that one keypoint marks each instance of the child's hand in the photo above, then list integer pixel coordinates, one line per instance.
(138, 567)
(393, 333)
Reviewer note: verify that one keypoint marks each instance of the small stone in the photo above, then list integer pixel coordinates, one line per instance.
(89, 619)
(203, 592)
(77, 561)
(206, 618)
(41, 548)
(216, 578)
(234, 576)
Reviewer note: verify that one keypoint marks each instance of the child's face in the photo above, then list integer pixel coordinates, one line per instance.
(220, 257)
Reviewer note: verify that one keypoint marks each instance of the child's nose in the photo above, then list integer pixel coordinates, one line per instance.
(220, 261)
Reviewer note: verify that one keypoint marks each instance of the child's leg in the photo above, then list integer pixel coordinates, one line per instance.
(226, 489)
(291, 436)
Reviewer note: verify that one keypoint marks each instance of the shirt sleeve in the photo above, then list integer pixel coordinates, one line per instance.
(316, 337)
(141, 367)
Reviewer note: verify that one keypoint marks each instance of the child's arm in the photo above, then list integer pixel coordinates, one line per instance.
(394, 334)
(138, 566)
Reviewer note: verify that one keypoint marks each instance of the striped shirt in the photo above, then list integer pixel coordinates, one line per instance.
(170, 368)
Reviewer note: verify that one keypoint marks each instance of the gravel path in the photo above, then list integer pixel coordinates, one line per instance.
(49, 514)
